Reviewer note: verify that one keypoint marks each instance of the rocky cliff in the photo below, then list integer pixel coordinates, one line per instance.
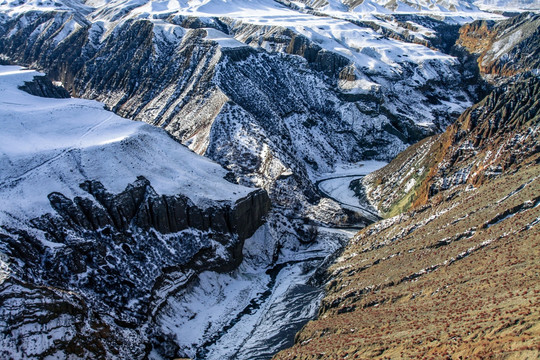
(42, 86)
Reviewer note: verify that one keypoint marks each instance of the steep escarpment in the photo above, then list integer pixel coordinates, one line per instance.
(501, 46)
(456, 277)
(42, 86)
(98, 226)
(494, 136)
(141, 206)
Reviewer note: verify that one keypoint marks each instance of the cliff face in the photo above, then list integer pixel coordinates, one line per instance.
(501, 46)
(42, 86)
(141, 206)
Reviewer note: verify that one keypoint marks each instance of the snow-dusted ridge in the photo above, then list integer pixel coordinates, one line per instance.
(53, 145)
(277, 115)
(332, 29)
(114, 216)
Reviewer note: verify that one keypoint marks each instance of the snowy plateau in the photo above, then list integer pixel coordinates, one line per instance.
(189, 197)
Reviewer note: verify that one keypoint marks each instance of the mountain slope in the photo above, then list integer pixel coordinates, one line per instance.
(456, 277)
(99, 216)
(403, 6)
(494, 136)
(336, 96)
(441, 161)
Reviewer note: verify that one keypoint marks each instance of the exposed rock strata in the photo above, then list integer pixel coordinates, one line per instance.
(112, 255)
(504, 48)
(490, 138)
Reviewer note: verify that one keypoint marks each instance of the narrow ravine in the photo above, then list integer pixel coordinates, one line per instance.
(256, 310)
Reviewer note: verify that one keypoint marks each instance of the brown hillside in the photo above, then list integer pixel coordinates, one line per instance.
(458, 277)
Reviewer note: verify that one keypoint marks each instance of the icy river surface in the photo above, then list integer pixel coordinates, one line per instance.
(255, 311)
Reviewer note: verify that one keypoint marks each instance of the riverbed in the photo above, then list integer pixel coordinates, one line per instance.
(256, 310)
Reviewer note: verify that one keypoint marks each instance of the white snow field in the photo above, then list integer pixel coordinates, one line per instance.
(371, 52)
(49, 145)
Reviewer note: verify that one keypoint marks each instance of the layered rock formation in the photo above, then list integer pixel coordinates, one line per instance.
(504, 48)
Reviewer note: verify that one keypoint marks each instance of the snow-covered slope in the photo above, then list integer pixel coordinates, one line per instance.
(431, 7)
(401, 6)
(508, 5)
(68, 141)
(106, 217)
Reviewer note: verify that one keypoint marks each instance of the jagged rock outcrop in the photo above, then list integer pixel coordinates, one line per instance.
(42, 86)
(503, 130)
(141, 206)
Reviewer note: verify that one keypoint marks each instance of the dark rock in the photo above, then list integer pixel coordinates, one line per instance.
(248, 213)
(42, 86)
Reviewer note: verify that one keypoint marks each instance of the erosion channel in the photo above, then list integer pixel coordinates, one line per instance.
(254, 311)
